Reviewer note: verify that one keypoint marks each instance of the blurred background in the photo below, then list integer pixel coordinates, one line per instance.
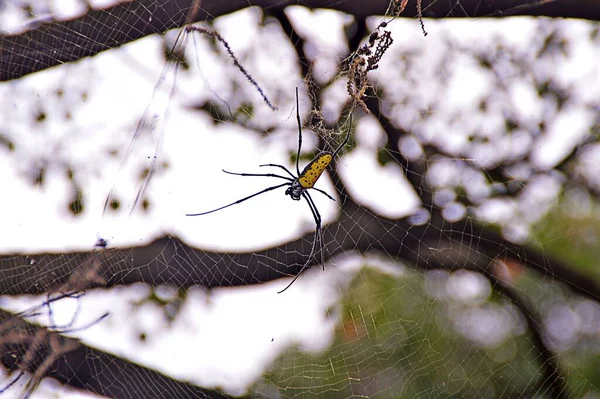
(460, 253)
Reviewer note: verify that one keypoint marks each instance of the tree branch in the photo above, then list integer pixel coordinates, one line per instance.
(58, 42)
(552, 382)
(91, 369)
(168, 260)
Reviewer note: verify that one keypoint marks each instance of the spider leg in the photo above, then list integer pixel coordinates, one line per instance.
(258, 174)
(279, 166)
(318, 237)
(345, 140)
(324, 193)
(299, 132)
(240, 200)
(318, 230)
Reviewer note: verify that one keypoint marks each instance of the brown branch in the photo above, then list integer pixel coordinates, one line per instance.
(168, 260)
(74, 364)
(553, 381)
(58, 42)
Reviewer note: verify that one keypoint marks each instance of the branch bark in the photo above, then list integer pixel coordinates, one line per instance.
(168, 260)
(93, 370)
(58, 42)
(553, 382)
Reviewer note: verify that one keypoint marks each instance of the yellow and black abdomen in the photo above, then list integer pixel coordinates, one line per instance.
(315, 169)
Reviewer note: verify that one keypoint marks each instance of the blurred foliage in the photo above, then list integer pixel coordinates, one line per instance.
(6, 142)
(175, 54)
(571, 232)
(395, 340)
(76, 205)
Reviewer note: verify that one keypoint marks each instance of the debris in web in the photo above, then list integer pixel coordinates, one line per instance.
(215, 35)
(420, 16)
(41, 346)
(400, 5)
(366, 59)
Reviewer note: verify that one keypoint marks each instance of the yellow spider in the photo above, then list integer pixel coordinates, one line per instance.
(298, 185)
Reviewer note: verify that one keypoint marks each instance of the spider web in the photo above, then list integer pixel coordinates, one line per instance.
(460, 250)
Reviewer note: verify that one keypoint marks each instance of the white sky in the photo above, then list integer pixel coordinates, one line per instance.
(254, 324)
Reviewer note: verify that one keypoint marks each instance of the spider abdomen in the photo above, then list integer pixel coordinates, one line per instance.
(315, 169)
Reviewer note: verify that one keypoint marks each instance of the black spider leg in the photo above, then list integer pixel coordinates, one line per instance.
(345, 140)
(258, 174)
(318, 237)
(299, 132)
(279, 166)
(317, 215)
(314, 188)
(242, 200)
(318, 230)
(323, 192)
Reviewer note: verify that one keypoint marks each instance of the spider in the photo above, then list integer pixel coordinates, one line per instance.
(298, 186)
